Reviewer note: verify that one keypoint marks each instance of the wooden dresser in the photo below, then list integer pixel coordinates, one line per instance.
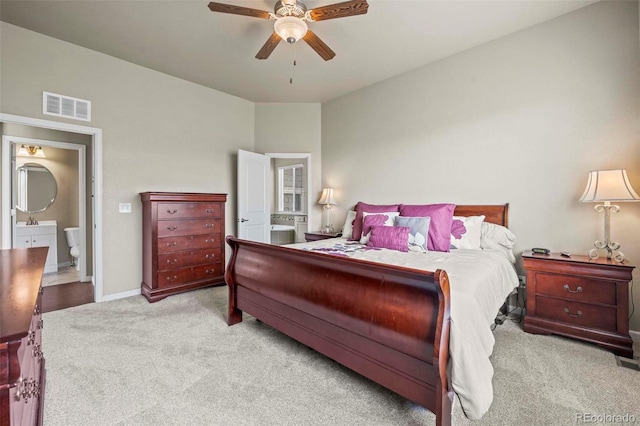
(22, 372)
(580, 298)
(182, 242)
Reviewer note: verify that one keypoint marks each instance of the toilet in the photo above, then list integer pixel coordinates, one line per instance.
(73, 241)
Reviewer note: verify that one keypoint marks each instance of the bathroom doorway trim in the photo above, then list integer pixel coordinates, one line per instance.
(96, 160)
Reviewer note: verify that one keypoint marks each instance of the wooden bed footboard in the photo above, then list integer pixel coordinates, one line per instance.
(388, 323)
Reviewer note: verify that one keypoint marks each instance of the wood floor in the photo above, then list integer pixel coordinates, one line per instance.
(62, 296)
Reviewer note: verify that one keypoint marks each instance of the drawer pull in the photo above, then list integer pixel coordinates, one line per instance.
(207, 241)
(172, 228)
(208, 210)
(207, 256)
(209, 271)
(208, 225)
(174, 261)
(175, 277)
(576, 315)
(173, 244)
(172, 211)
(578, 290)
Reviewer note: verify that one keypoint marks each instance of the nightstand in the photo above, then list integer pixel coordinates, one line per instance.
(581, 298)
(315, 236)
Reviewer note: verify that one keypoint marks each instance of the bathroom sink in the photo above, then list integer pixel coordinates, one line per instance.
(283, 228)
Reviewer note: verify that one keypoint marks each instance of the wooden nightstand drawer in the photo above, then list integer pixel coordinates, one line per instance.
(576, 288)
(582, 314)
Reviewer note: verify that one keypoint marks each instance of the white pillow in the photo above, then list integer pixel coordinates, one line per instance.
(466, 231)
(388, 221)
(497, 237)
(347, 229)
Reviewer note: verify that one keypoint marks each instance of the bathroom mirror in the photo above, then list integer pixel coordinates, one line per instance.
(36, 188)
(291, 188)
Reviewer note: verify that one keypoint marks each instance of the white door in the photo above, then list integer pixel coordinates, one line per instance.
(253, 203)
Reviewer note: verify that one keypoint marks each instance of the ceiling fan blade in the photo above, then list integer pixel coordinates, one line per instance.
(318, 45)
(339, 10)
(238, 10)
(269, 46)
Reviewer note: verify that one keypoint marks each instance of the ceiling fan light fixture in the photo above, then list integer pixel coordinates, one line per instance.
(290, 28)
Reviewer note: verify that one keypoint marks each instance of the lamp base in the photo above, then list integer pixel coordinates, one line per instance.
(611, 248)
(328, 229)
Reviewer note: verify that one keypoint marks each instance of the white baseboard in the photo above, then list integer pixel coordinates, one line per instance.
(635, 335)
(121, 295)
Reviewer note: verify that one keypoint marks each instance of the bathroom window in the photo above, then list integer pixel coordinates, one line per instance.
(291, 193)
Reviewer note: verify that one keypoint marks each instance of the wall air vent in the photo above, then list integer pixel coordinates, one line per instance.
(66, 106)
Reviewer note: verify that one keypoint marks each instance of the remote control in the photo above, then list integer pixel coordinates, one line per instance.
(538, 250)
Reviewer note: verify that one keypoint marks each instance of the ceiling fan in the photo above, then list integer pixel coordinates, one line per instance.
(291, 18)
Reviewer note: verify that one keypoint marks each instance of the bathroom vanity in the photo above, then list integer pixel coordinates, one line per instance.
(44, 234)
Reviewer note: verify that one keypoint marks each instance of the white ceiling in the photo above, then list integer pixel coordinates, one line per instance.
(185, 39)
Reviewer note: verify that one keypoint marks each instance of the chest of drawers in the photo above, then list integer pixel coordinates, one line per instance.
(182, 242)
(580, 298)
(22, 372)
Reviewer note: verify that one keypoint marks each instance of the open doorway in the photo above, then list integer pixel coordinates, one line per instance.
(93, 199)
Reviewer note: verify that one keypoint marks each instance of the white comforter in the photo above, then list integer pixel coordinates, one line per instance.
(480, 280)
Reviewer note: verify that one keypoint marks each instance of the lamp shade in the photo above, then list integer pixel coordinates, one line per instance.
(290, 28)
(609, 185)
(327, 197)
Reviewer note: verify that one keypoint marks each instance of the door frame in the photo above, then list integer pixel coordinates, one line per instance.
(96, 161)
(82, 203)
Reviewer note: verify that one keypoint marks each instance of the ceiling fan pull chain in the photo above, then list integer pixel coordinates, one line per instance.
(294, 63)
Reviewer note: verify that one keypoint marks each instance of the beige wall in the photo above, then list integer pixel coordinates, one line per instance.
(160, 133)
(293, 128)
(522, 120)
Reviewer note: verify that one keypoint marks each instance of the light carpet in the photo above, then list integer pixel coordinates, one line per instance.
(176, 362)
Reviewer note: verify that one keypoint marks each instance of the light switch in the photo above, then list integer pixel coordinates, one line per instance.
(124, 207)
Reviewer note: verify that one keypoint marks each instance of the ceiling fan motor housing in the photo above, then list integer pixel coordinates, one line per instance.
(289, 8)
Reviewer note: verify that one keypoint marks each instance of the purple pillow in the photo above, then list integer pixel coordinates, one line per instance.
(389, 237)
(441, 215)
(369, 208)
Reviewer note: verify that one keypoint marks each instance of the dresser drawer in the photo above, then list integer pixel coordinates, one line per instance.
(575, 313)
(202, 241)
(187, 258)
(207, 271)
(576, 288)
(176, 277)
(187, 210)
(171, 228)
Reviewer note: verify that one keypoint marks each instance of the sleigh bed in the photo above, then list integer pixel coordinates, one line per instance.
(389, 323)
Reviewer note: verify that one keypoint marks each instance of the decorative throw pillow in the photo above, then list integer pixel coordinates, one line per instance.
(389, 237)
(466, 231)
(375, 219)
(369, 208)
(347, 229)
(418, 231)
(497, 237)
(440, 226)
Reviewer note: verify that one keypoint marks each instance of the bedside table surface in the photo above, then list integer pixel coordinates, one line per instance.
(576, 258)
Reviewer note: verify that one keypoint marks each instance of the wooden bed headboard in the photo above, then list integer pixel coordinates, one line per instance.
(498, 214)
